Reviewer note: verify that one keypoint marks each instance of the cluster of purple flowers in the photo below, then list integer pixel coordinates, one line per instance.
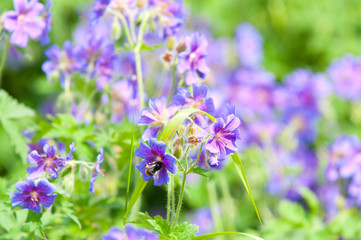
(129, 233)
(343, 174)
(32, 194)
(30, 19)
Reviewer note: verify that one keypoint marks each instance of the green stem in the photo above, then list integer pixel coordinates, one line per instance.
(228, 204)
(169, 200)
(212, 196)
(199, 155)
(173, 197)
(130, 163)
(138, 61)
(125, 25)
(3, 58)
(180, 200)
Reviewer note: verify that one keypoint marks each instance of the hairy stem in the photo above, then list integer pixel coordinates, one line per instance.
(125, 25)
(169, 200)
(172, 87)
(180, 200)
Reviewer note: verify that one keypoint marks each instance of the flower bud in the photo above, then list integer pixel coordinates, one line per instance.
(83, 173)
(116, 29)
(167, 57)
(181, 47)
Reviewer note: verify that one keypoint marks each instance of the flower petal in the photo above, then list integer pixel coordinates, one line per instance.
(25, 186)
(19, 38)
(35, 171)
(169, 162)
(33, 205)
(46, 200)
(34, 157)
(44, 186)
(144, 152)
(160, 178)
(157, 147)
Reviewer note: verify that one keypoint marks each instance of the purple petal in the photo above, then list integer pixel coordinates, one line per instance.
(141, 166)
(146, 118)
(191, 77)
(199, 92)
(160, 178)
(46, 201)
(19, 38)
(34, 157)
(150, 132)
(202, 66)
(158, 104)
(232, 123)
(20, 5)
(50, 151)
(182, 65)
(18, 198)
(44, 186)
(169, 162)
(10, 21)
(25, 186)
(33, 205)
(36, 171)
(157, 146)
(35, 9)
(34, 28)
(217, 125)
(144, 152)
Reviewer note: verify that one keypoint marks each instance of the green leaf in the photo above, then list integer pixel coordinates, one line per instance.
(211, 235)
(141, 219)
(239, 166)
(176, 121)
(21, 216)
(200, 171)
(136, 194)
(17, 139)
(311, 199)
(292, 212)
(7, 221)
(160, 225)
(184, 231)
(67, 208)
(10, 108)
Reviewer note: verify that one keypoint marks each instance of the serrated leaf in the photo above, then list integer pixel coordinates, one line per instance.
(10, 108)
(160, 225)
(141, 219)
(17, 139)
(67, 208)
(185, 231)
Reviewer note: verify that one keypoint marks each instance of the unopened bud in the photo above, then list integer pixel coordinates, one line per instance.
(178, 152)
(116, 29)
(181, 47)
(83, 173)
(67, 184)
(170, 43)
(167, 57)
(193, 140)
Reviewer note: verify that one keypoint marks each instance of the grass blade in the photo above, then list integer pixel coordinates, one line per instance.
(211, 235)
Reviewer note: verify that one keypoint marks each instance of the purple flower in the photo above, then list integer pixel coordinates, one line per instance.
(196, 100)
(157, 116)
(47, 162)
(99, 7)
(97, 170)
(105, 65)
(31, 195)
(170, 15)
(61, 63)
(193, 58)
(223, 137)
(130, 233)
(24, 22)
(345, 74)
(203, 219)
(249, 45)
(44, 39)
(156, 163)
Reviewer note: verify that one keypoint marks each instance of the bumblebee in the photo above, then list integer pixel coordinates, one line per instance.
(153, 167)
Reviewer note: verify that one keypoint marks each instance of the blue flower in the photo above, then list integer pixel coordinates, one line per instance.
(31, 195)
(156, 163)
(48, 162)
(97, 170)
(130, 233)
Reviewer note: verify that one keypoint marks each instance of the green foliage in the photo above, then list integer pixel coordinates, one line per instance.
(13, 118)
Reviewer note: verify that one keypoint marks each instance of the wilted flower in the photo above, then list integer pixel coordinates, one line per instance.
(193, 59)
(97, 170)
(156, 163)
(48, 162)
(157, 117)
(31, 195)
(24, 22)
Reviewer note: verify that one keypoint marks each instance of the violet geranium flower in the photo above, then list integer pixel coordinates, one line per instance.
(31, 195)
(99, 8)
(223, 137)
(48, 162)
(193, 58)
(24, 22)
(156, 163)
(157, 116)
(97, 170)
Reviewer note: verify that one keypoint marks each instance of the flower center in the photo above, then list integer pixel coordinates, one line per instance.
(192, 56)
(21, 18)
(34, 196)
